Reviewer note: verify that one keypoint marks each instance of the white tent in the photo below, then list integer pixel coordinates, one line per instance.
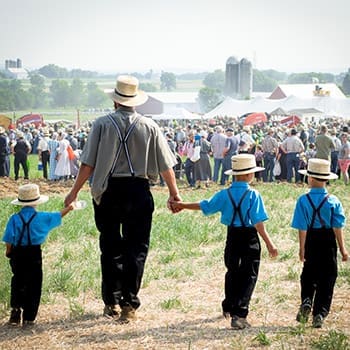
(326, 105)
(176, 113)
(229, 108)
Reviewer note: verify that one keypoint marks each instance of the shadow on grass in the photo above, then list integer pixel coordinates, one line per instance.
(94, 329)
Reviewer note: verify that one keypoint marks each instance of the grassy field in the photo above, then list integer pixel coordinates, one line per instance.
(182, 287)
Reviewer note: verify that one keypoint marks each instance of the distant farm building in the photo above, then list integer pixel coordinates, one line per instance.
(306, 91)
(14, 69)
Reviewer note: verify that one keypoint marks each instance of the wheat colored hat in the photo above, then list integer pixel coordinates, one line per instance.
(29, 195)
(319, 169)
(127, 92)
(243, 164)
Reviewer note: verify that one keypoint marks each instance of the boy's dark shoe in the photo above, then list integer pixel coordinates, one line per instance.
(127, 314)
(317, 321)
(15, 317)
(303, 313)
(239, 323)
(110, 311)
(226, 314)
(28, 324)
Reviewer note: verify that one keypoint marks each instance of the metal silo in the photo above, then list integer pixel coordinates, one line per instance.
(245, 78)
(232, 77)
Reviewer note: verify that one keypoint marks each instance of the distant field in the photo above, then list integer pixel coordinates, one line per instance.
(181, 85)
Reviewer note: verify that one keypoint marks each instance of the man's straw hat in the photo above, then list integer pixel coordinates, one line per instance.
(319, 169)
(243, 164)
(29, 195)
(126, 92)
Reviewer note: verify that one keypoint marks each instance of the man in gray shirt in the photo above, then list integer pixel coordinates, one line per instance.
(123, 152)
(218, 144)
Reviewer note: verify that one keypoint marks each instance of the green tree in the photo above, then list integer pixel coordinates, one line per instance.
(95, 97)
(60, 93)
(346, 83)
(215, 80)
(209, 98)
(53, 72)
(77, 93)
(149, 87)
(167, 81)
(37, 90)
(261, 82)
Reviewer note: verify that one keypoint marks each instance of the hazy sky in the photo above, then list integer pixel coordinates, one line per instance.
(177, 35)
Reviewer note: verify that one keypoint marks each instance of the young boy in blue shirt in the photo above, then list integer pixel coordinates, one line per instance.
(320, 219)
(24, 234)
(243, 212)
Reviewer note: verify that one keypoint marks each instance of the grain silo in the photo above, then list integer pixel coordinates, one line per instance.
(232, 77)
(245, 78)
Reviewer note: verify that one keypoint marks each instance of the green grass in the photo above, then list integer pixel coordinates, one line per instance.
(184, 247)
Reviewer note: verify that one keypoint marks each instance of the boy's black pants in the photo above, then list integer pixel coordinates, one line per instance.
(26, 282)
(242, 260)
(320, 270)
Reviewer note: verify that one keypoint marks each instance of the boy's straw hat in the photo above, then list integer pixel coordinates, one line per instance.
(319, 169)
(29, 195)
(243, 164)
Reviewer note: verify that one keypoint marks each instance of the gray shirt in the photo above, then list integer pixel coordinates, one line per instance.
(147, 146)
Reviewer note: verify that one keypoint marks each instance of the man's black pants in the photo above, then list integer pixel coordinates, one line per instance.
(124, 219)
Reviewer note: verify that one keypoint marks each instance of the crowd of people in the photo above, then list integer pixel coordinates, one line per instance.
(282, 150)
(125, 153)
(58, 151)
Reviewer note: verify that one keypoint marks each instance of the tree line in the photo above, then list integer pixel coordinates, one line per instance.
(67, 89)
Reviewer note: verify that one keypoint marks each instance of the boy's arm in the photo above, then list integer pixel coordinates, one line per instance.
(186, 205)
(8, 249)
(302, 238)
(66, 210)
(339, 234)
(260, 227)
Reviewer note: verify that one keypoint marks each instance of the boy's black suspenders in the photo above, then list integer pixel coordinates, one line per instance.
(237, 208)
(25, 227)
(316, 211)
(123, 143)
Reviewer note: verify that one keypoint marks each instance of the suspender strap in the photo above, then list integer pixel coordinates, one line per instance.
(123, 142)
(237, 208)
(25, 227)
(316, 211)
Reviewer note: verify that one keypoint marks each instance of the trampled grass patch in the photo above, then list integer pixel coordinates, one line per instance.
(182, 287)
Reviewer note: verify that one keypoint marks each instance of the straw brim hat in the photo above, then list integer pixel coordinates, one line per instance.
(29, 195)
(319, 169)
(127, 92)
(243, 164)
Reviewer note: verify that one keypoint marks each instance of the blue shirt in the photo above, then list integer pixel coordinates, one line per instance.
(252, 207)
(332, 212)
(39, 228)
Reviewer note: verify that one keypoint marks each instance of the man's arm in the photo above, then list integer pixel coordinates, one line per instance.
(85, 171)
(170, 180)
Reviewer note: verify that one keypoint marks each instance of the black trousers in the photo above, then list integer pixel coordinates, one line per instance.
(242, 260)
(26, 282)
(320, 270)
(21, 160)
(45, 158)
(124, 219)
